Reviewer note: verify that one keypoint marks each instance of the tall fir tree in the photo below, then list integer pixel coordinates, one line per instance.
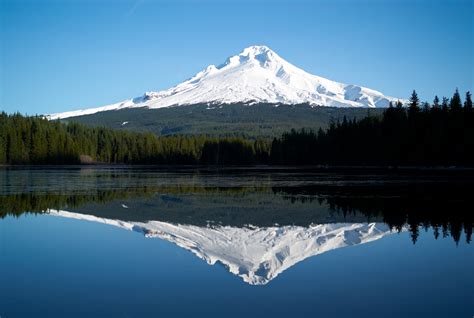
(413, 105)
(468, 103)
(414, 100)
(436, 102)
(445, 104)
(455, 103)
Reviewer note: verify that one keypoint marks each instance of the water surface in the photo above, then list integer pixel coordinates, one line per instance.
(113, 242)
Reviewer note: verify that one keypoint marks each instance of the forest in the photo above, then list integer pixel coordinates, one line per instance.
(261, 120)
(35, 140)
(416, 134)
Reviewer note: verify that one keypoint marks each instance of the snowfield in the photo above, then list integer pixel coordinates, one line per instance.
(255, 75)
(256, 254)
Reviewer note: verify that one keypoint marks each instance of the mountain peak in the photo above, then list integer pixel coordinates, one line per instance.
(256, 50)
(256, 54)
(256, 75)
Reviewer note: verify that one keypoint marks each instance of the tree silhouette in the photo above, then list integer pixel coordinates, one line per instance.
(468, 103)
(441, 135)
(414, 104)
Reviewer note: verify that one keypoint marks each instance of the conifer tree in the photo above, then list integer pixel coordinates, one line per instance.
(444, 104)
(468, 103)
(414, 102)
(436, 102)
(455, 103)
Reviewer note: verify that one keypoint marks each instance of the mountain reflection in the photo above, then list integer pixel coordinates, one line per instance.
(257, 223)
(415, 206)
(256, 254)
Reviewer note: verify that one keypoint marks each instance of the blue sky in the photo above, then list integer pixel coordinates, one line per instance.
(68, 54)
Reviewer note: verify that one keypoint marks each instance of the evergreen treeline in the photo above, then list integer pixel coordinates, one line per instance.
(35, 140)
(420, 134)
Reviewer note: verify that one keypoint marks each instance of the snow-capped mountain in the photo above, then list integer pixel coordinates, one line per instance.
(255, 75)
(256, 254)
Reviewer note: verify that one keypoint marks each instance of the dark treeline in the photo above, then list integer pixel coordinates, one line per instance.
(35, 140)
(441, 133)
(425, 134)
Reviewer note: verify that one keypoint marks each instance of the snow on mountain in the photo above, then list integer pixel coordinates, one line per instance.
(256, 254)
(255, 75)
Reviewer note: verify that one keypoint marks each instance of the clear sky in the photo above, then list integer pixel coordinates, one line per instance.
(69, 54)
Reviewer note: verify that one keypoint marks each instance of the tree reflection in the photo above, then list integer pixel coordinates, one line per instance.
(441, 206)
(413, 206)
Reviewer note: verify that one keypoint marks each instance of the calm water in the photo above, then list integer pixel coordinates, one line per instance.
(106, 242)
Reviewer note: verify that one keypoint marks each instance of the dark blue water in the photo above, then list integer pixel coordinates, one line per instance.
(53, 266)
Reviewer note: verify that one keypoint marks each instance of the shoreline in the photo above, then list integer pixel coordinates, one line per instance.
(254, 168)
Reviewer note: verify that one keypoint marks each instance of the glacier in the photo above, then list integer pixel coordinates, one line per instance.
(255, 75)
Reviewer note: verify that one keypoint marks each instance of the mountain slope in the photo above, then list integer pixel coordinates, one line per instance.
(256, 75)
(257, 121)
(256, 254)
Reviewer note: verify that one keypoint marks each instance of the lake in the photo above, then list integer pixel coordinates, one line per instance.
(254, 242)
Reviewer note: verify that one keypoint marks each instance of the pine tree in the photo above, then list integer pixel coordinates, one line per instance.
(436, 102)
(468, 103)
(455, 103)
(414, 102)
(444, 104)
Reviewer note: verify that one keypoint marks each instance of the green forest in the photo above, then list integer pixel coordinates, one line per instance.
(440, 133)
(35, 140)
(261, 120)
(419, 134)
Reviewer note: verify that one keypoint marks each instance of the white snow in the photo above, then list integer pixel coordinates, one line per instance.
(256, 254)
(255, 75)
